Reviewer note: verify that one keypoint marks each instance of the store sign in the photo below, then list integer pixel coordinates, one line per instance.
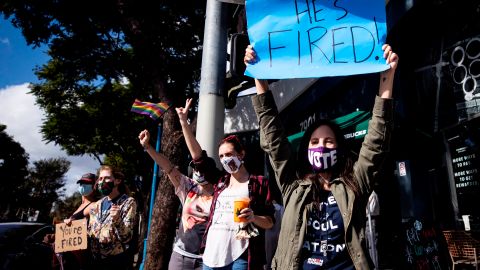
(463, 145)
(311, 39)
(353, 125)
(465, 159)
(465, 171)
(463, 74)
(423, 248)
(356, 134)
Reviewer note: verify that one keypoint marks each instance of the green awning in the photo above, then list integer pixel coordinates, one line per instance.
(354, 126)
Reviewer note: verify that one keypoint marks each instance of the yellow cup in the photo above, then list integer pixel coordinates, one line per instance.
(238, 205)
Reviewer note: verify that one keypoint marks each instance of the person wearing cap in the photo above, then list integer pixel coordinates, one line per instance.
(78, 259)
(194, 193)
(86, 189)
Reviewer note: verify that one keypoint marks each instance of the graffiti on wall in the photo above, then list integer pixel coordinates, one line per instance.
(422, 246)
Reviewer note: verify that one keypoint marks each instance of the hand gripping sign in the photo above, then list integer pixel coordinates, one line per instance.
(73, 237)
(316, 38)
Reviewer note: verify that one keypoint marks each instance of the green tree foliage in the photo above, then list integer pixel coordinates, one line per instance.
(13, 173)
(104, 54)
(25, 189)
(45, 184)
(66, 207)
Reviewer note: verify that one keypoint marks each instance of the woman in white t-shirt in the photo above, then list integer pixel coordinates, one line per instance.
(230, 245)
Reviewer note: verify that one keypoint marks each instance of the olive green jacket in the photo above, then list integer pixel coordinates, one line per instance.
(296, 192)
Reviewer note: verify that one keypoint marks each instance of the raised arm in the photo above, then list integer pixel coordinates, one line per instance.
(250, 57)
(192, 143)
(385, 89)
(376, 144)
(173, 173)
(273, 139)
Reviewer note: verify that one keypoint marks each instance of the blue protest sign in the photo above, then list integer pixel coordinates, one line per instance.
(316, 38)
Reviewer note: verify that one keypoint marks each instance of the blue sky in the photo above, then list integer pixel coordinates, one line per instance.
(17, 60)
(19, 112)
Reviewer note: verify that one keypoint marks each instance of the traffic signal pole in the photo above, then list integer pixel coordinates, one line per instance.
(211, 114)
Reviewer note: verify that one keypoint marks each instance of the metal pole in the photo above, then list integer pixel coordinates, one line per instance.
(152, 195)
(211, 115)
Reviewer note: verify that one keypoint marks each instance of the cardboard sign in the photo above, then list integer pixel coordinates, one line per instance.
(73, 237)
(316, 38)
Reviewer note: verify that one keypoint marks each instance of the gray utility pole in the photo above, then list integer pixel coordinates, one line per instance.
(211, 111)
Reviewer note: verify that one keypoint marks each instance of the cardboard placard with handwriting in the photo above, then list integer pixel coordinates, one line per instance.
(73, 237)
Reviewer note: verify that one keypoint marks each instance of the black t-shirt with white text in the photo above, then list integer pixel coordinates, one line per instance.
(324, 246)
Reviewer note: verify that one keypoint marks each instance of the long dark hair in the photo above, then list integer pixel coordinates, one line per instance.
(343, 168)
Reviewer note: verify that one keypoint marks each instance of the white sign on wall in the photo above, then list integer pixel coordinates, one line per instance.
(402, 170)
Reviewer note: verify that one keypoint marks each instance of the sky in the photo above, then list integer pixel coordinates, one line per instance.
(18, 110)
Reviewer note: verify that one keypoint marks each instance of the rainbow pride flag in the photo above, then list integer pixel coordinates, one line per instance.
(154, 110)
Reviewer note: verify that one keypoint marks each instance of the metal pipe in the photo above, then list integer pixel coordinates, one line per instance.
(211, 115)
(152, 195)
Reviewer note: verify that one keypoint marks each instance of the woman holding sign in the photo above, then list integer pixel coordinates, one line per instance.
(89, 197)
(324, 192)
(77, 259)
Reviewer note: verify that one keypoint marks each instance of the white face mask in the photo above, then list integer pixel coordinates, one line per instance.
(231, 164)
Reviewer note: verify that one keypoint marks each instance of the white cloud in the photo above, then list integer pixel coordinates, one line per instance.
(23, 119)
